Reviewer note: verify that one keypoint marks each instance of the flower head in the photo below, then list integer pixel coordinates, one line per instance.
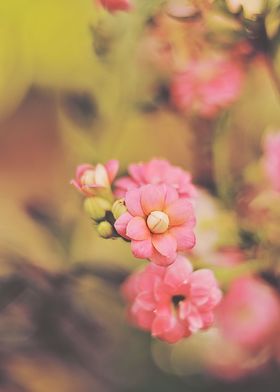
(158, 223)
(249, 313)
(172, 302)
(91, 179)
(206, 87)
(116, 5)
(272, 159)
(156, 171)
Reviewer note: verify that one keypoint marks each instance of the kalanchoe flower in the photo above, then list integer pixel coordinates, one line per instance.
(90, 180)
(172, 302)
(158, 223)
(207, 86)
(272, 159)
(116, 5)
(156, 171)
(249, 313)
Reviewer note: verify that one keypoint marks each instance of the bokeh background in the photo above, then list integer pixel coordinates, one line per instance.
(81, 84)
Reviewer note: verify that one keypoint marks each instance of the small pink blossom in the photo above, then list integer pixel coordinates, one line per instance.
(249, 313)
(206, 87)
(172, 302)
(158, 223)
(116, 5)
(90, 179)
(272, 159)
(156, 171)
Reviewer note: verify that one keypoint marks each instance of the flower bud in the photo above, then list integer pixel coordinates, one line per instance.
(105, 229)
(96, 207)
(118, 208)
(158, 222)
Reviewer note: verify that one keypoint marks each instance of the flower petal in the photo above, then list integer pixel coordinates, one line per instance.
(168, 328)
(142, 249)
(159, 259)
(152, 198)
(165, 244)
(137, 229)
(112, 168)
(184, 236)
(122, 222)
(180, 212)
(132, 202)
(179, 272)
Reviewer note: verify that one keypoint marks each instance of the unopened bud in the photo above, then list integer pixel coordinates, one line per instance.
(158, 222)
(118, 208)
(105, 229)
(96, 207)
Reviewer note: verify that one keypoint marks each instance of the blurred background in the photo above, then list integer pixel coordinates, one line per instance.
(82, 82)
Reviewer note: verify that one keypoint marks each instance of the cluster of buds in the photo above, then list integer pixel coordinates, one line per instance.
(152, 209)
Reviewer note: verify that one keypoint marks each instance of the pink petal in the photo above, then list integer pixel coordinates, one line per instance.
(123, 185)
(137, 229)
(112, 168)
(170, 196)
(184, 237)
(142, 249)
(136, 172)
(121, 223)
(167, 328)
(146, 300)
(132, 202)
(179, 272)
(82, 168)
(180, 212)
(165, 244)
(159, 259)
(152, 198)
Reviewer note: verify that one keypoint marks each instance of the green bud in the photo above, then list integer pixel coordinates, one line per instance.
(96, 207)
(105, 229)
(118, 208)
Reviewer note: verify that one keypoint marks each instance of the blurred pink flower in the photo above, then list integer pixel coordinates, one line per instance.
(172, 302)
(249, 314)
(90, 179)
(116, 5)
(158, 223)
(272, 159)
(156, 171)
(206, 87)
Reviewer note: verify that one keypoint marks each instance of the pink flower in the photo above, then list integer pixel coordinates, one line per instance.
(90, 179)
(205, 87)
(172, 302)
(116, 5)
(158, 223)
(249, 313)
(156, 171)
(272, 159)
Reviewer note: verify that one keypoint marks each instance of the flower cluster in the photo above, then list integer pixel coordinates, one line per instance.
(153, 208)
(172, 302)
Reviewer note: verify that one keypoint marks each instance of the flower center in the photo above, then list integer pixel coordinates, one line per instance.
(176, 299)
(158, 222)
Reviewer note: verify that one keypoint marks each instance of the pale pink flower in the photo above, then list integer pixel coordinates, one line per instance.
(90, 179)
(158, 223)
(229, 361)
(172, 302)
(206, 87)
(272, 159)
(156, 171)
(116, 5)
(249, 313)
